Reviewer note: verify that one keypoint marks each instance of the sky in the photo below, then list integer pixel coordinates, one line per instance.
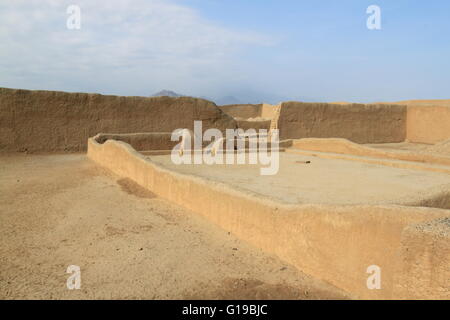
(254, 50)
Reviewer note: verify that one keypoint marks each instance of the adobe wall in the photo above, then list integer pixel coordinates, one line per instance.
(141, 141)
(243, 111)
(356, 236)
(268, 111)
(425, 256)
(428, 124)
(46, 121)
(257, 125)
(359, 123)
(246, 111)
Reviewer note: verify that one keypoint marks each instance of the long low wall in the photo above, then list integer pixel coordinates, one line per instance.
(333, 243)
(343, 146)
(416, 121)
(141, 141)
(59, 121)
(359, 123)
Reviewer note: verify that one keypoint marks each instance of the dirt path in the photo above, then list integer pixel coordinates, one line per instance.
(61, 210)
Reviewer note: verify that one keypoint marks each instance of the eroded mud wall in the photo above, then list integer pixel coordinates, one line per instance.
(49, 121)
(142, 141)
(359, 123)
(428, 124)
(425, 259)
(268, 111)
(356, 236)
(257, 125)
(243, 111)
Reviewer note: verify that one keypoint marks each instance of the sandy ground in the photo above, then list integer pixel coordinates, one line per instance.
(323, 181)
(442, 148)
(63, 210)
(405, 146)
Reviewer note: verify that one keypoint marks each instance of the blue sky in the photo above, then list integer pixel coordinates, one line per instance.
(254, 50)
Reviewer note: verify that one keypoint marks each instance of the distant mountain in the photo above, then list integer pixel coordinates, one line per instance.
(252, 97)
(167, 93)
(223, 101)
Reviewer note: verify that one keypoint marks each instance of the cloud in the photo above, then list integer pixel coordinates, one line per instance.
(122, 46)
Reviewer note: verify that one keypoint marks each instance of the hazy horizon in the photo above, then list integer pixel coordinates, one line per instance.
(271, 51)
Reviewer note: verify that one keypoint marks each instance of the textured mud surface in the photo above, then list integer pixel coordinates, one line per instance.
(63, 210)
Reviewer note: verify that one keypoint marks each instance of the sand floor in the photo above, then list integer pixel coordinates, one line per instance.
(323, 181)
(401, 146)
(61, 210)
